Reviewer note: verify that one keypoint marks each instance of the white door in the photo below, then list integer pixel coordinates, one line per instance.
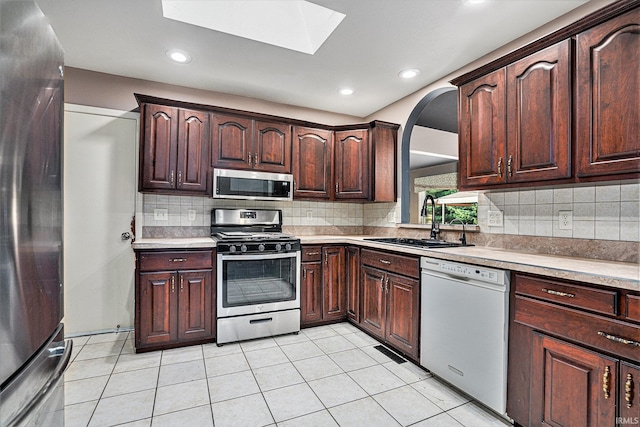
(100, 149)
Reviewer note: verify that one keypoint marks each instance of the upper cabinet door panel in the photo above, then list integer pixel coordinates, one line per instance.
(352, 164)
(231, 142)
(607, 94)
(272, 147)
(482, 130)
(539, 110)
(312, 161)
(193, 137)
(159, 147)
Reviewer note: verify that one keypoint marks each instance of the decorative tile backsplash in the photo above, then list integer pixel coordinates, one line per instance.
(297, 213)
(607, 211)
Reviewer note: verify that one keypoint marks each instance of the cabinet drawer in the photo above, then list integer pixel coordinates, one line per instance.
(633, 307)
(407, 266)
(584, 328)
(593, 299)
(311, 253)
(187, 260)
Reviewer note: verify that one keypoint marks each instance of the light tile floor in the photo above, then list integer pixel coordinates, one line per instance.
(324, 376)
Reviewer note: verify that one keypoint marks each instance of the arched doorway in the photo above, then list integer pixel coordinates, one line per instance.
(438, 110)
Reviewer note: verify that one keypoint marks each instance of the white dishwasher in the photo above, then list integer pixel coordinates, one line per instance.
(464, 328)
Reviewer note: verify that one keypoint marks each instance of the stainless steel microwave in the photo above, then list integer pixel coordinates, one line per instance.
(250, 185)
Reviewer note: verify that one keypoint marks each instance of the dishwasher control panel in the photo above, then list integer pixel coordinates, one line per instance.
(464, 271)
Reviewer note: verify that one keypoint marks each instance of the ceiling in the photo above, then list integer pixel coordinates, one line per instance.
(372, 44)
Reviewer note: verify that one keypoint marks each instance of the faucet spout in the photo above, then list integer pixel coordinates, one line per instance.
(435, 228)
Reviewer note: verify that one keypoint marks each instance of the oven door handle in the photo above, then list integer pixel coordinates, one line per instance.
(225, 257)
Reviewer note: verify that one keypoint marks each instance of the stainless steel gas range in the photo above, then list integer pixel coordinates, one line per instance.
(258, 275)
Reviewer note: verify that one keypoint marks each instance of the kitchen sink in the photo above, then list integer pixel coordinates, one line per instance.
(416, 243)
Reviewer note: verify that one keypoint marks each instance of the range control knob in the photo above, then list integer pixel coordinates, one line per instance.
(278, 247)
(232, 248)
(243, 248)
(261, 247)
(288, 246)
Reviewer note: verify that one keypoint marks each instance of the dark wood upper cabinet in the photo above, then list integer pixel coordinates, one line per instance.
(607, 97)
(352, 164)
(239, 142)
(231, 142)
(539, 116)
(482, 131)
(173, 150)
(515, 123)
(312, 163)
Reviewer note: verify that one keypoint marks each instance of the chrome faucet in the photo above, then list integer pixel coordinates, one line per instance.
(435, 229)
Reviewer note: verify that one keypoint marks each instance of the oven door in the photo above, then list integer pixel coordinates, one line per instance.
(257, 283)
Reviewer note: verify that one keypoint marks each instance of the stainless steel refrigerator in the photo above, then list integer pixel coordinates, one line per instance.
(33, 353)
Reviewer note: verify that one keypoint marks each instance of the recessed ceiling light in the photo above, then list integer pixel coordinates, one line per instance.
(346, 91)
(179, 56)
(472, 1)
(409, 73)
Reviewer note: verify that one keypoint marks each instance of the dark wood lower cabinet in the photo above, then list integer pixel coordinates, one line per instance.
(352, 277)
(573, 354)
(571, 386)
(323, 292)
(174, 307)
(390, 309)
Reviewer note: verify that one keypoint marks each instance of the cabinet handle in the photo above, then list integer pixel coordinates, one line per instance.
(618, 339)
(384, 261)
(181, 282)
(387, 284)
(382, 283)
(180, 178)
(628, 391)
(313, 253)
(255, 159)
(500, 167)
(171, 177)
(606, 382)
(249, 159)
(173, 283)
(177, 260)
(337, 187)
(304, 273)
(325, 259)
(509, 170)
(558, 293)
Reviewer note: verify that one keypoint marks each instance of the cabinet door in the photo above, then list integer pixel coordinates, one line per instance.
(629, 392)
(403, 299)
(272, 147)
(571, 386)
(195, 319)
(483, 130)
(158, 149)
(539, 110)
(607, 88)
(352, 275)
(193, 141)
(157, 308)
(312, 163)
(231, 140)
(333, 284)
(352, 163)
(373, 315)
(311, 293)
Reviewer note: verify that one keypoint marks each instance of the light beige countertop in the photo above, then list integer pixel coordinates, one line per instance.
(606, 273)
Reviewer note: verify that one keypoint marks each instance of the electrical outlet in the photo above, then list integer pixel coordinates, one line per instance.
(494, 218)
(565, 220)
(309, 214)
(192, 214)
(161, 214)
(391, 217)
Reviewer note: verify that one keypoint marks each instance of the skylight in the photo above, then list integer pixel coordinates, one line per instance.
(292, 24)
